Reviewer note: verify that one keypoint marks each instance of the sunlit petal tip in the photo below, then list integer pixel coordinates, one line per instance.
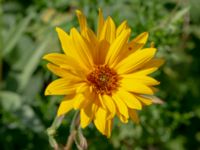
(61, 33)
(48, 56)
(45, 57)
(78, 12)
(161, 61)
(100, 10)
(152, 44)
(72, 30)
(146, 34)
(47, 91)
(84, 119)
(142, 38)
(111, 22)
(58, 29)
(65, 106)
(153, 49)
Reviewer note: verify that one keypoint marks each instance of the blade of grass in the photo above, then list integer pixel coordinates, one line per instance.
(32, 64)
(20, 28)
(1, 43)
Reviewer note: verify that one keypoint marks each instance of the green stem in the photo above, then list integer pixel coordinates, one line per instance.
(51, 131)
(1, 42)
(73, 131)
(75, 121)
(76, 135)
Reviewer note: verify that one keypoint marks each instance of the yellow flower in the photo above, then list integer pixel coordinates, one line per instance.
(103, 74)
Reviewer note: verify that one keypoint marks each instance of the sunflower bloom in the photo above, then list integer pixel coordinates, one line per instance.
(103, 75)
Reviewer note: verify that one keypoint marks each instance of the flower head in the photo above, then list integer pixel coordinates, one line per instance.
(103, 75)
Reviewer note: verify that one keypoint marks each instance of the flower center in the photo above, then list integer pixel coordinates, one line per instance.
(103, 80)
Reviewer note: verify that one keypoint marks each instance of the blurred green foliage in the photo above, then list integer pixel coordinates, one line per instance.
(27, 32)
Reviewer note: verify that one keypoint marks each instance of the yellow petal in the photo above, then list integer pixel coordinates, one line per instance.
(61, 60)
(65, 106)
(109, 31)
(135, 60)
(134, 116)
(152, 66)
(136, 44)
(87, 114)
(62, 86)
(142, 38)
(129, 99)
(144, 100)
(67, 63)
(82, 48)
(100, 23)
(152, 44)
(131, 48)
(100, 120)
(122, 118)
(84, 119)
(82, 20)
(64, 40)
(79, 101)
(116, 47)
(122, 27)
(146, 80)
(61, 72)
(102, 52)
(135, 86)
(85, 98)
(156, 62)
(109, 104)
(121, 106)
(102, 123)
(92, 43)
(91, 37)
(109, 124)
(69, 48)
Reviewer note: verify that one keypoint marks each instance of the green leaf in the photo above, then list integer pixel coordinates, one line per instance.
(19, 30)
(10, 101)
(32, 64)
(179, 15)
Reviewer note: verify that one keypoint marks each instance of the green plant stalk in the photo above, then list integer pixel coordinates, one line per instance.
(21, 27)
(76, 135)
(1, 43)
(51, 131)
(73, 131)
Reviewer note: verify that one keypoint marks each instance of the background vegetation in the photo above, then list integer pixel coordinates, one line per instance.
(27, 32)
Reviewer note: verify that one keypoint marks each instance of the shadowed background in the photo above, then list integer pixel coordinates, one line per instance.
(27, 32)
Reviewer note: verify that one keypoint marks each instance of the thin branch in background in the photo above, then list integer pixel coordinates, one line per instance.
(167, 20)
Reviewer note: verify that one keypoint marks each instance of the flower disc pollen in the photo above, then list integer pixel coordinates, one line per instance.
(103, 80)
